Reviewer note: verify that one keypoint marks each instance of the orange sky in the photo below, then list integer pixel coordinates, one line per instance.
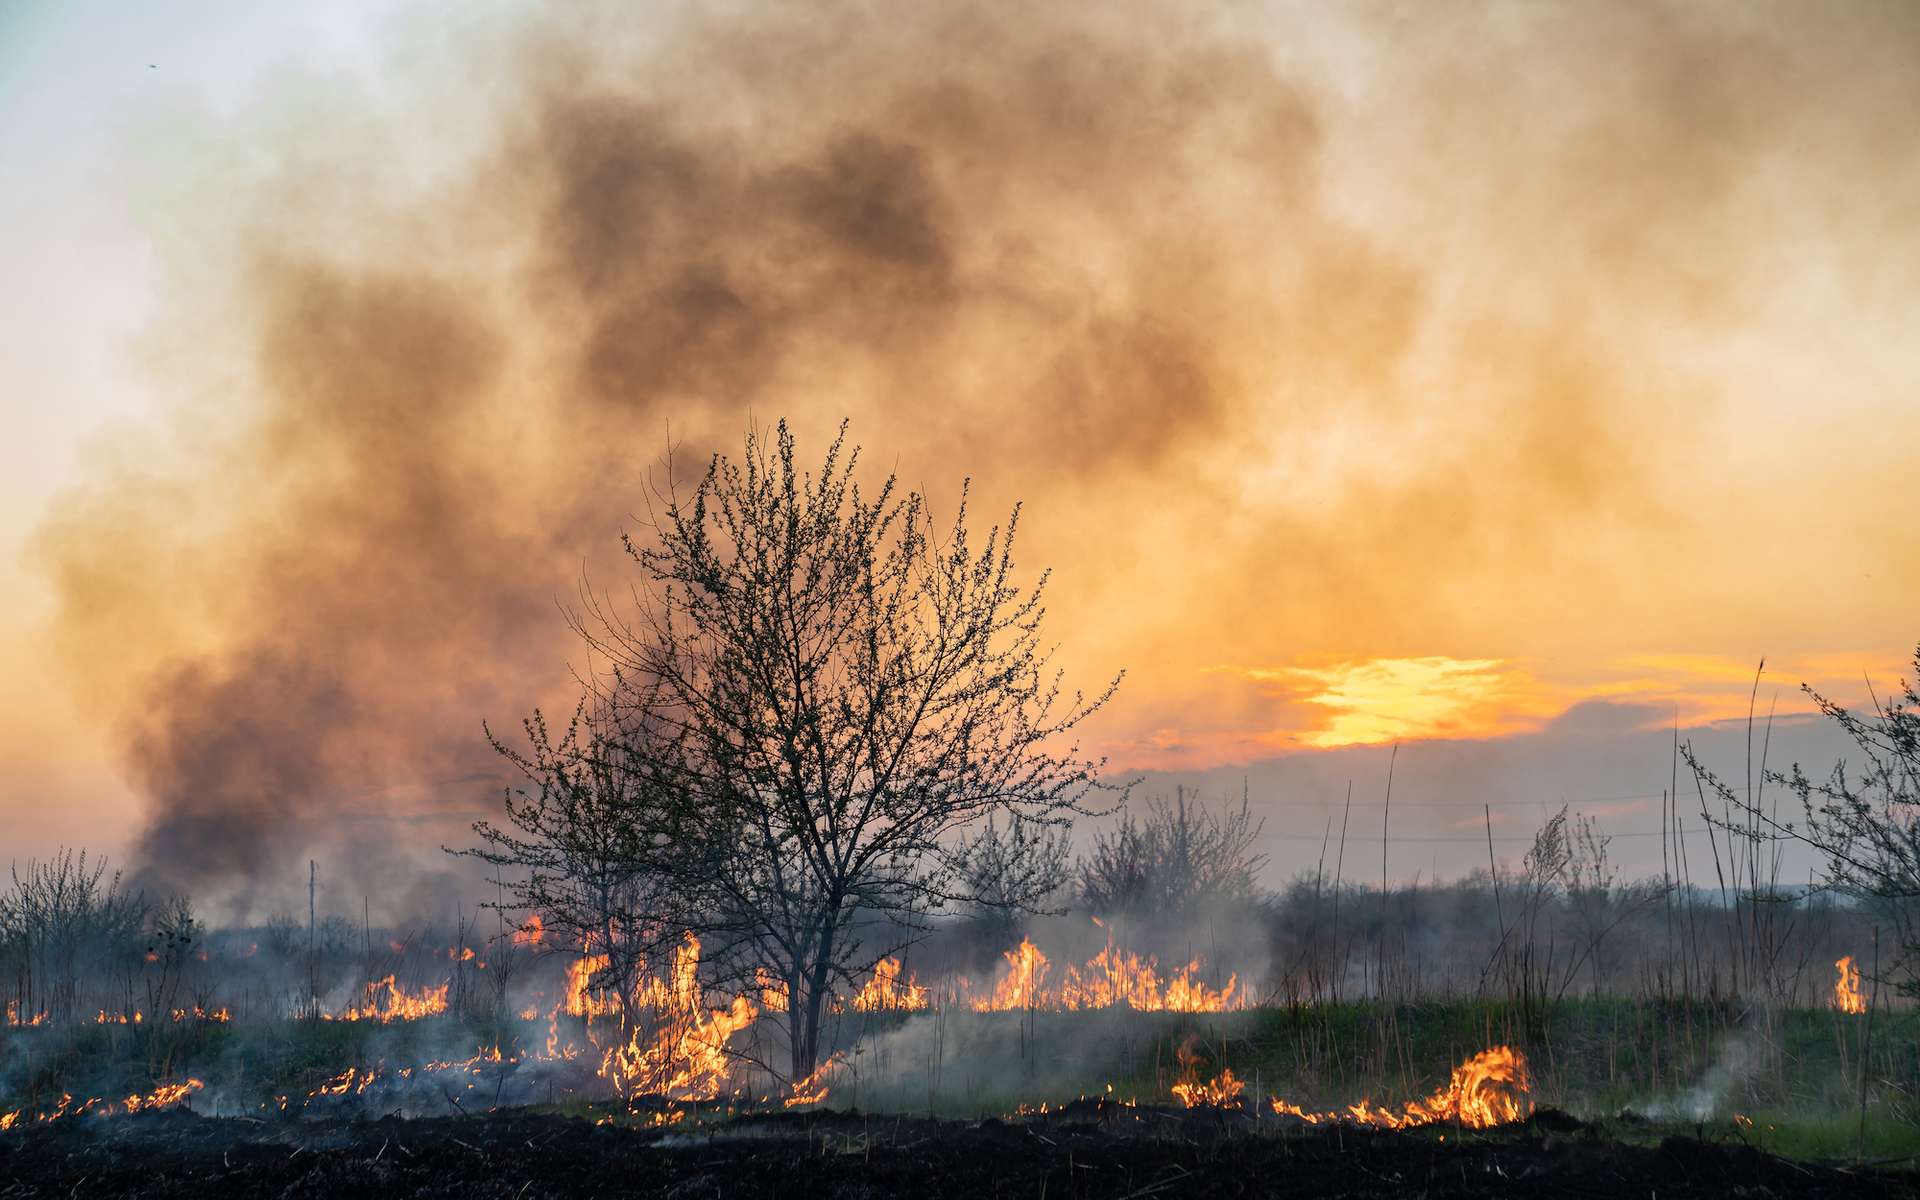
(1367, 378)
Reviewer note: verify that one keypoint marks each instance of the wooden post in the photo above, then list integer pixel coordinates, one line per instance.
(1860, 1139)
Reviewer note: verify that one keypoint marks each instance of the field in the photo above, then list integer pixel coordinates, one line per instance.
(1092, 1149)
(1625, 1096)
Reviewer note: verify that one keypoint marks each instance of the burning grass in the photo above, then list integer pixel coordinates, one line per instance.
(1111, 979)
(1385, 1067)
(1034, 1038)
(1847, 997)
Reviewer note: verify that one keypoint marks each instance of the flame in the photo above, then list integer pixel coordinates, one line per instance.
(530, 932)
(356, 1081)
(162, 1096)
(580, 1000)
(681, 1051)
(353, 1079)
(884, 992)
(813, 1089)
(1112, 978)
(1286, 1109)
(1224, 1090)
(1109, 979)
(197, 1013)
(15, 1020)
(1021, 986)
(773, 989)
(1847, 996)
(395, 1004)
(1491, 1088)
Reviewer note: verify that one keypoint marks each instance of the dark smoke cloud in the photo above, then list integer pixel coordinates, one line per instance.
(1085, 252)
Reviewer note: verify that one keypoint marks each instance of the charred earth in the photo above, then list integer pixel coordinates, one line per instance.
(1087, 1149)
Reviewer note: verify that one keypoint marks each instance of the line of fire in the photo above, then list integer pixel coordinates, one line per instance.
(818, 842)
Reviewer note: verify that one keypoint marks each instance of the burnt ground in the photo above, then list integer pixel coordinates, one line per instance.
(1090, 1152)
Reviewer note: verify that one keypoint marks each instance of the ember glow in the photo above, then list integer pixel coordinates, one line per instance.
(137, 1017)
(17, 1021)
(1847, 996)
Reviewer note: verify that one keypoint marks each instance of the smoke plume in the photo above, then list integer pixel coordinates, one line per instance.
(1157, 272)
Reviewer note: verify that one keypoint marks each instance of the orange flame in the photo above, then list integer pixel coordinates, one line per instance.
(1111, 978)
(530, 932)
(884, 993)
(1022, 985)
(160, 1097)
(196, 1013)
(681, 1052)
(1847, 996)
(812, 1089)
(580, 1000)
(1491, 1088)
(773, 989)
(1224, 1090)
(351, 1080)
(395, 1004)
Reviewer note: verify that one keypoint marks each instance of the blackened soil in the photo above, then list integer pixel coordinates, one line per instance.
(1136, 1153)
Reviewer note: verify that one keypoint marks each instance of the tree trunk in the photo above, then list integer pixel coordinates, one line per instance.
(806, 1027)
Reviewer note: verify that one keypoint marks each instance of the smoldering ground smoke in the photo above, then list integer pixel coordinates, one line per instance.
(427, 345)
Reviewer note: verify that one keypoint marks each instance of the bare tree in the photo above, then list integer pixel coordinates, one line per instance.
(1179, 857)
(1598, 899)
(1012, 871)
(840, 692)
(63, 920)
(587, 839)
(1863, 819)
(1517, 955)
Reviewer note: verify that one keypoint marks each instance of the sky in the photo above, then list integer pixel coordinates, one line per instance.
(1500, 381)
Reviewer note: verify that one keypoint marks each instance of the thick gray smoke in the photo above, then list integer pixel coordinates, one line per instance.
(428, 345)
